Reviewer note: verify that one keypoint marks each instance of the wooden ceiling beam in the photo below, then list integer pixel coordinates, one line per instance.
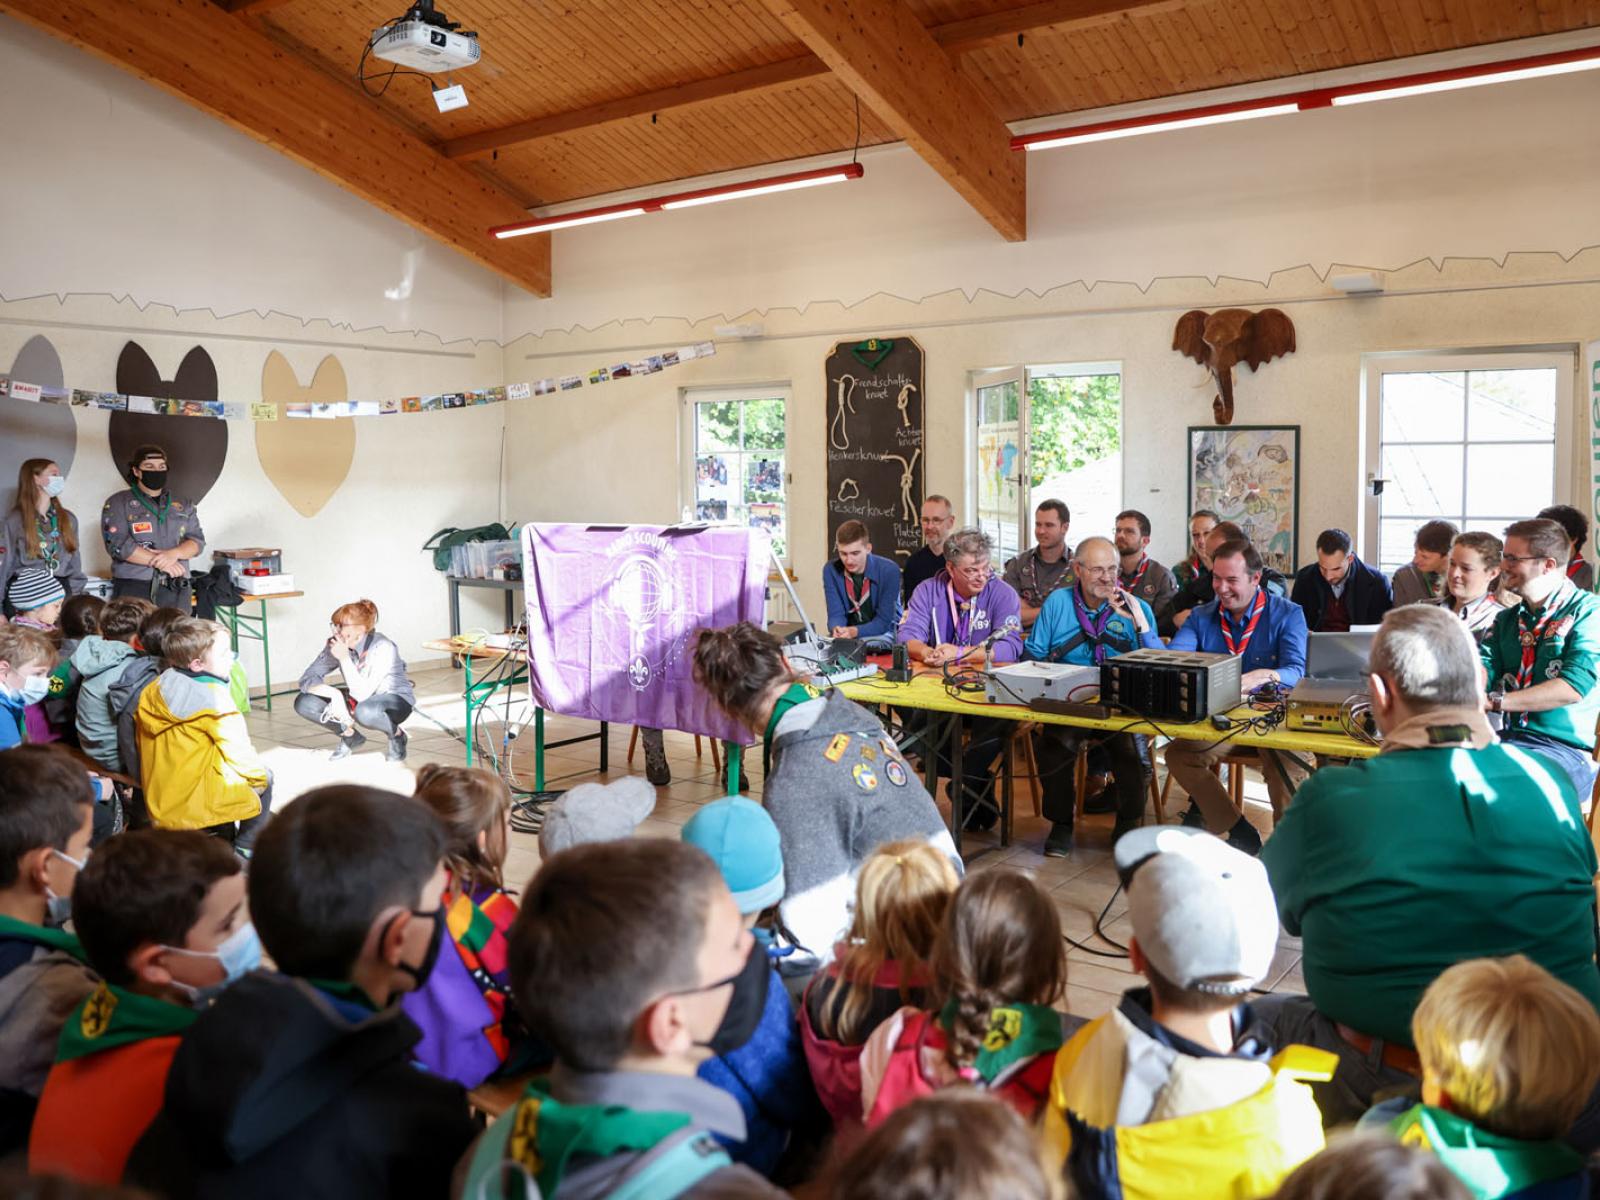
(227, 68)
(702, 91)
(885, 56)
(957, 37)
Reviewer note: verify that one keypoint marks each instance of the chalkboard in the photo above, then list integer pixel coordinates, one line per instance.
(875, 455)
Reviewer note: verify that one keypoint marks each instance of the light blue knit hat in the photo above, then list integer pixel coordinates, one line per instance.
(742, 840)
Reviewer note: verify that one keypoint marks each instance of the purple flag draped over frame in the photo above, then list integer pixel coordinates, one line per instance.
(612, 612)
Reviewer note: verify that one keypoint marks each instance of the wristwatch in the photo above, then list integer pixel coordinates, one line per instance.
(1495, 700)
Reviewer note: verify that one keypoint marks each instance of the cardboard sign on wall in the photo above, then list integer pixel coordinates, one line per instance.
(307, 461)
(34, 430)
(196, 448)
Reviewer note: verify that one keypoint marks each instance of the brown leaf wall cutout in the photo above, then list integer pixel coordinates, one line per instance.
(306, 460)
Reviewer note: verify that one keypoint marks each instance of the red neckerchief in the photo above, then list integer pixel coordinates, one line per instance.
(1532, 637)
(857, 602)
(1249, 630)
(1574, 567)
(960, 625)
(1144, 565)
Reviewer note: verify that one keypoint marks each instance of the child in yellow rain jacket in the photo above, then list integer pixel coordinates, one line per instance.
(1173, 1092)
(198, 766)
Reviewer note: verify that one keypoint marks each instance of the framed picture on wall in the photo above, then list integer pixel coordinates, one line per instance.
(1250, 475)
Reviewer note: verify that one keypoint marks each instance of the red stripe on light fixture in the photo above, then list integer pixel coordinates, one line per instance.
(710, 195)
(1505, 71)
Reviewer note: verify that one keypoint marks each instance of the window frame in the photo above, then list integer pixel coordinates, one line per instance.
(689, 397)
(1562, 357)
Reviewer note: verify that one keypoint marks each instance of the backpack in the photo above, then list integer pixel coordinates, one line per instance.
(679, 1162)
(1025, 1085)
(446, 540)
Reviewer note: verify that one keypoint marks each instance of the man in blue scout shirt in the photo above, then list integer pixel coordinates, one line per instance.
(1269, 632)
(151, 535)
(1088, 623)
(862, 589)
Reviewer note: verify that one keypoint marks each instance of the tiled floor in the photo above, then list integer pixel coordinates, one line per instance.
(297, 752)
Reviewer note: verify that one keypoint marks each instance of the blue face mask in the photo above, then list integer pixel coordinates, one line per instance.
(55, 485)
(238, 955)
(58, 909)
(34, 689)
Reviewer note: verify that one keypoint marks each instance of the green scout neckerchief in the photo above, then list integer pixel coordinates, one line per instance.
(49, 539)
(56, 939)
(110, 1017)
(1491, 1166)
(797, 693)
(1016, 1033)
(344, 990)
(546, 1134)
(872, 352)
(165, 498)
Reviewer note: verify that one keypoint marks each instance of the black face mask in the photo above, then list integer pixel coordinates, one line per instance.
(156, 481)
(430, 956)
(745, 1006)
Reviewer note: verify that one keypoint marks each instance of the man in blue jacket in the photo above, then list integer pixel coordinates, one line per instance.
(1087, 623)
(1339, 590)
(1269, 633)
(862, 589)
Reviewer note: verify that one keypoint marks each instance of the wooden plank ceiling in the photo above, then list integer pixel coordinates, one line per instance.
(573, 67)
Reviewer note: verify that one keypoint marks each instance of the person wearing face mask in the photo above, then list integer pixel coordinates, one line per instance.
(26, 657)
(302, 1080)
(151, 535)
(39, 531)
(1542, 658)
(622, 1112)
(46, 823)
(161, 916)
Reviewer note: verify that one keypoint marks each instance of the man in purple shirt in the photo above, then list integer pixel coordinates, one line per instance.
(954, 619)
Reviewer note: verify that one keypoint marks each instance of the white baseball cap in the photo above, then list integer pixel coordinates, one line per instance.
(1202, 912)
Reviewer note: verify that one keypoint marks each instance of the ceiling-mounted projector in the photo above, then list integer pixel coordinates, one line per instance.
(423, 39)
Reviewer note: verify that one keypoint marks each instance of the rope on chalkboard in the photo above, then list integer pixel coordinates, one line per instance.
(907, 512)
(838, 428)
(903, 400)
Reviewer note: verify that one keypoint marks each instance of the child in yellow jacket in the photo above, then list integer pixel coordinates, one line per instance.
(199, 769)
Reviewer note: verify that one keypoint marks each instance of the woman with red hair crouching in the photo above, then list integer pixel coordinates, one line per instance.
(375, 693)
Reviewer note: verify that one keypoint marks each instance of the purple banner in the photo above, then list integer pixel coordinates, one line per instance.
(612, 613)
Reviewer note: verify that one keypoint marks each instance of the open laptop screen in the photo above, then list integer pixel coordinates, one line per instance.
(1338, 655)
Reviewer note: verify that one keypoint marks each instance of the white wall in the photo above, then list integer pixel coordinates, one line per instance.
(155, 222)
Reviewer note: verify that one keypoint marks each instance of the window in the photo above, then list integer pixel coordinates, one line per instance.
(1047, 432)
(1471, 439)
(739, 468)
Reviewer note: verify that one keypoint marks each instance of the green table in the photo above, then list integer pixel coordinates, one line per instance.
(477, 693)
(253, 627)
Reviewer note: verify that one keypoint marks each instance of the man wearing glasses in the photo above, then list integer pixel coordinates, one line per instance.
(957, 618)
(1087, 623)
(1540, 657)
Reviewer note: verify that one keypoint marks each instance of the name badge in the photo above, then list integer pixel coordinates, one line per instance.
(141, 527)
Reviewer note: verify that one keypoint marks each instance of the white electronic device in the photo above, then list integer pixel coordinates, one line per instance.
(425, 47)
(1023, 682)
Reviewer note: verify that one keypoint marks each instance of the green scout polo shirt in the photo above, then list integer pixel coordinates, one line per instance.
(1398, 867)
(1569, 650)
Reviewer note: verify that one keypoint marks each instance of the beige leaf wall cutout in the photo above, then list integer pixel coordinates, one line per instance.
(306, 460)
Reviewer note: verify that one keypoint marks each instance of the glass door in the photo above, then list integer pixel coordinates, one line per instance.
(1002, 470)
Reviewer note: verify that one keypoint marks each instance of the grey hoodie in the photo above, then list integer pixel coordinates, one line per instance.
(100, 662)
(129, 684)
(838, 790)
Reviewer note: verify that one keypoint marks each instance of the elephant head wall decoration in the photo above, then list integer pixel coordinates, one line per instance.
(1221, 340)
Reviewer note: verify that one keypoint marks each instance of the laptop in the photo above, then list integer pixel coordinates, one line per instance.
(1336, 668)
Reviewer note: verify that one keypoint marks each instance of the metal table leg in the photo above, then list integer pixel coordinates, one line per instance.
(957, 786)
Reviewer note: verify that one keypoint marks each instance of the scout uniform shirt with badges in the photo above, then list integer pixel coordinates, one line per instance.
(869, 759)
(132, 519)
(1034, 579)
(1525, 649)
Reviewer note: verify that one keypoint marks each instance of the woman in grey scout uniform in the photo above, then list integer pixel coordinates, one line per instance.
(376, 693)
(151, 535)
(39, 531)
(838, 787)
